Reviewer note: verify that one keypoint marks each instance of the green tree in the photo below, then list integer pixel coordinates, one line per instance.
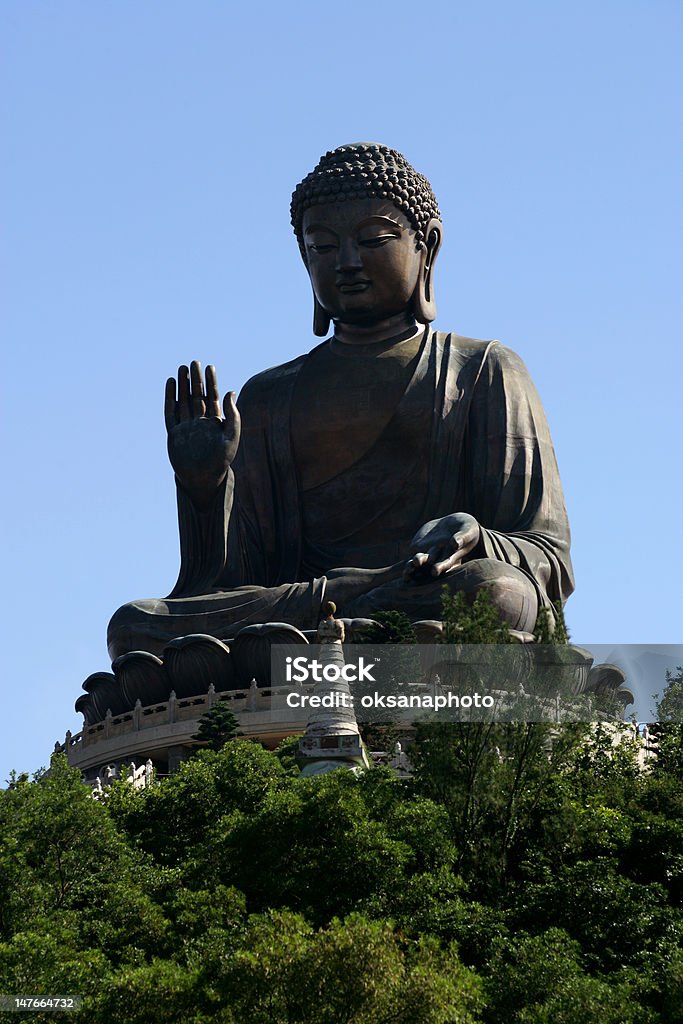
(617, 921)
(669, 728)
(76, 900)
(172, 821)
(390, 627)
(60, 849)
(217, 726)
(159, 992)
(551, 629)
(287, 753)
(353, 971)
(539, 979)
(491, 778)
(319, 846)
(529, 878)
(670, 706)
(476, 622)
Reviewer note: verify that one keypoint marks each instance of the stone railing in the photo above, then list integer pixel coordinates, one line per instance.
(151, 731)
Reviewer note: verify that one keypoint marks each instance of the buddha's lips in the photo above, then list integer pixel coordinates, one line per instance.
(353, 286)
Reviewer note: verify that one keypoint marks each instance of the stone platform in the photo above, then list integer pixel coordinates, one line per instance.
(149, 707)
(162, 732)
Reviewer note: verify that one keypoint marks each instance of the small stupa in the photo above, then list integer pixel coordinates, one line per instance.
(332, 739)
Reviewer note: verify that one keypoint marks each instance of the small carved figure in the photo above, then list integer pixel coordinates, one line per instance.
(330, 630)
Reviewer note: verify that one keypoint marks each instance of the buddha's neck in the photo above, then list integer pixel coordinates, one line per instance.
(400, 327)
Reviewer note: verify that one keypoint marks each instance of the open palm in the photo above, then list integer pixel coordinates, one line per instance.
(202, 439)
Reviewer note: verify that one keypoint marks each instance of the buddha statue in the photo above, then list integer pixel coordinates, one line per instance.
(387, 462)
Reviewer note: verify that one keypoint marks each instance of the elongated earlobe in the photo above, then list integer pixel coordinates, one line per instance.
(424, 305)
(424, 310)
(321, 319)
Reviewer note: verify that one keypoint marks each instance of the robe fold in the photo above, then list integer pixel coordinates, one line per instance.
(479, 444)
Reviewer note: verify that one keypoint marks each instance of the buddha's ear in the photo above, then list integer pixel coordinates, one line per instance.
(321, 319)
(424, 306)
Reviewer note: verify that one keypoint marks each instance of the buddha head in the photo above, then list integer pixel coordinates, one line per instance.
(369, 229)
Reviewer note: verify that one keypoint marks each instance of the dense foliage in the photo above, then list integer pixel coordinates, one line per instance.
(507, 882)
(525, 874)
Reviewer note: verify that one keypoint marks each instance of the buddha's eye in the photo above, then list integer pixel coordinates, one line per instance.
(321, 248)
(376, 241)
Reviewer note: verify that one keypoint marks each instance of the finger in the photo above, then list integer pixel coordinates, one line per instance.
(198, 406)
(439, 568)
(231, 412)
(213, 401)
(415, 564)
(184, 412)
(460, 546)
(465, 540)
(170, 406)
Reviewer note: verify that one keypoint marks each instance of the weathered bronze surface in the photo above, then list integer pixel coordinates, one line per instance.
(387, 461)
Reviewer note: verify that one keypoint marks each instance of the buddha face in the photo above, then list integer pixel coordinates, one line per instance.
(362, 259)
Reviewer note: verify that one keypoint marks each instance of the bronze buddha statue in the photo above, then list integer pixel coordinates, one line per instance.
(388, 461)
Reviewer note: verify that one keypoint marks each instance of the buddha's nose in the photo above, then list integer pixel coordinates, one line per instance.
(348, 258)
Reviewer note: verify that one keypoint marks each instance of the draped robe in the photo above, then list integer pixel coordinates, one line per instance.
(468, 435)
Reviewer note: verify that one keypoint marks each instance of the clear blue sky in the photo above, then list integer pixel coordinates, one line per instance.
(149, 153)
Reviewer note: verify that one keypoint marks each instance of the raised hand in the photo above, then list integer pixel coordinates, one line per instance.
(441, 545)
(202, 443)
